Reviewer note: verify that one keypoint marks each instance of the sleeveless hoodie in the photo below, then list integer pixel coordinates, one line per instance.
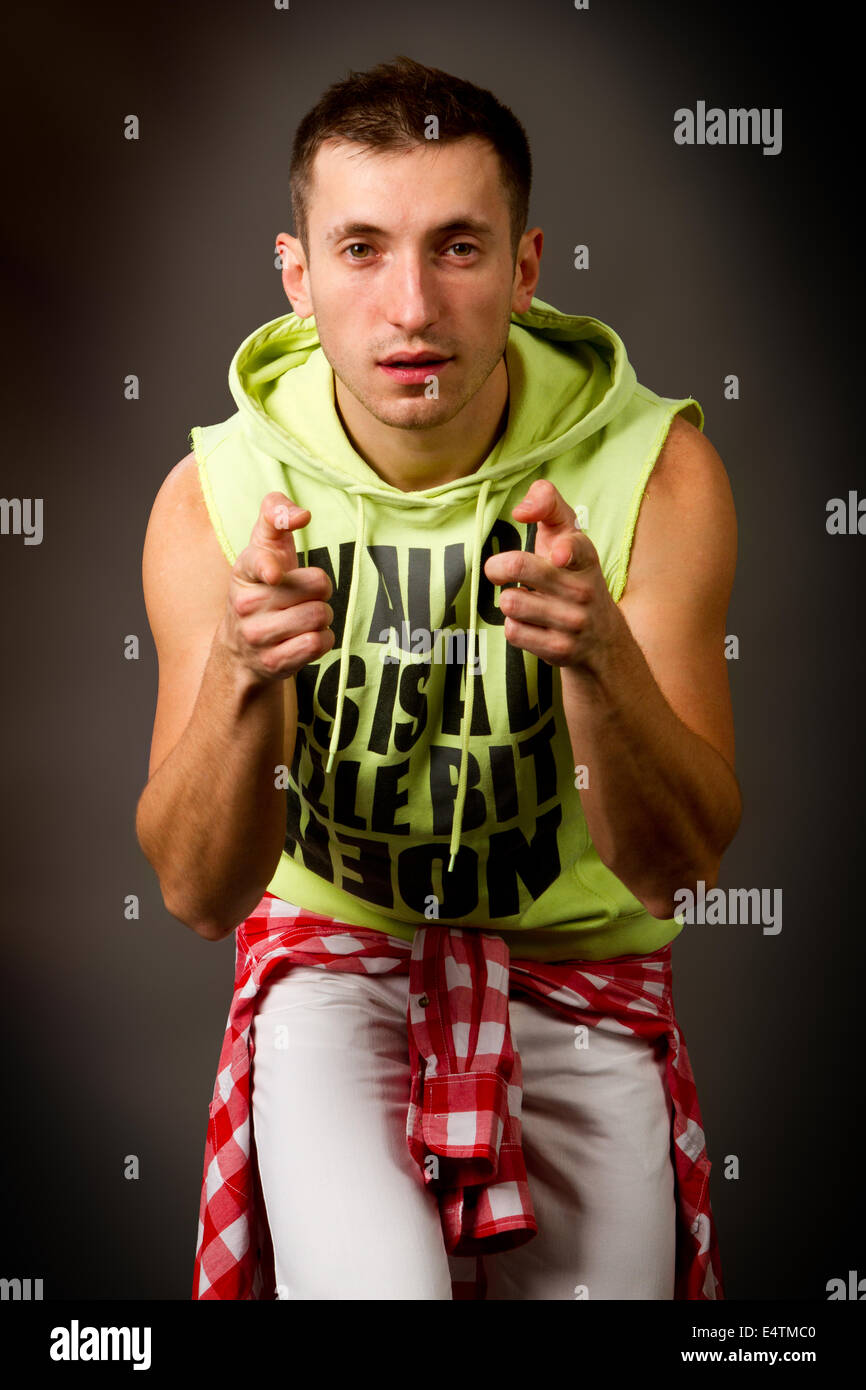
(433, 776)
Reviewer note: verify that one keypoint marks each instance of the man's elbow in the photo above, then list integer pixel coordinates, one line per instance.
(665, 900)
(734, 809)
(206, 929)
(207, 926)
(210, 931)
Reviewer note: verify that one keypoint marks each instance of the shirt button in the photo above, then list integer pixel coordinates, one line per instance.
(423, 1001)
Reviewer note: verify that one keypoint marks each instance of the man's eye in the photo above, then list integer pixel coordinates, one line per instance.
(363, 245)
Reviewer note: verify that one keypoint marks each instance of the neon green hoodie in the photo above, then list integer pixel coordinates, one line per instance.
(433, 774)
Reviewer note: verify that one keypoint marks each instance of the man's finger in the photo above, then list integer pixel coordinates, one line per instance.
(544, 503)
(278, 517)
(271, 553)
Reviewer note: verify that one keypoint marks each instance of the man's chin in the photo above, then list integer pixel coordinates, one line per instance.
(414, 414)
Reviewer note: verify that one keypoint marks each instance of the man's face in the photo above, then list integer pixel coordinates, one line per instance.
(410, 253)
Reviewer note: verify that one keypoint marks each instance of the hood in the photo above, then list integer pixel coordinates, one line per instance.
(567, 377)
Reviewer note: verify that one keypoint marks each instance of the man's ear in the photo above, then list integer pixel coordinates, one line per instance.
(527, 270)
(294, 274)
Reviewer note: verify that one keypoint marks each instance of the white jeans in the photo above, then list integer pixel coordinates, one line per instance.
(349, 1214)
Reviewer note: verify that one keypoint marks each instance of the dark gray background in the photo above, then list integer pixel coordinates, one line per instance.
(156, 258)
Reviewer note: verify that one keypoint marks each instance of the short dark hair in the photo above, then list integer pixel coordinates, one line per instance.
(387, 108)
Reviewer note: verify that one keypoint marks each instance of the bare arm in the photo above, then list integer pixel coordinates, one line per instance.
(229, 640)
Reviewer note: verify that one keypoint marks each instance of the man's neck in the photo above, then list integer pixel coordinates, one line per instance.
(413, 460)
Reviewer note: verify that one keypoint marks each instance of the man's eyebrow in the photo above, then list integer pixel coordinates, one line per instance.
(461, 223)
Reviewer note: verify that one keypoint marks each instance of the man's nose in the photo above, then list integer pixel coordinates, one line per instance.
(410, 295)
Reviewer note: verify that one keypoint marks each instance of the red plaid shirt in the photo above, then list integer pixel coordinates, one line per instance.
(463, 1063)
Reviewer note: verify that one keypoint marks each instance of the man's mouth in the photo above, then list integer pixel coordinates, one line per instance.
(413, 367)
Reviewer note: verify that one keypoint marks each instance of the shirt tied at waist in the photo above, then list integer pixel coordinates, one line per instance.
(463, 1121)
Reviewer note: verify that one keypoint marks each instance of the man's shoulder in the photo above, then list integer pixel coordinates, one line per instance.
(687, 460)
(686, 529)
(180, 478)
(180, 501)
(179, 529)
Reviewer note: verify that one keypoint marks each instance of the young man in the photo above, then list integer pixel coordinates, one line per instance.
(443, 726)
